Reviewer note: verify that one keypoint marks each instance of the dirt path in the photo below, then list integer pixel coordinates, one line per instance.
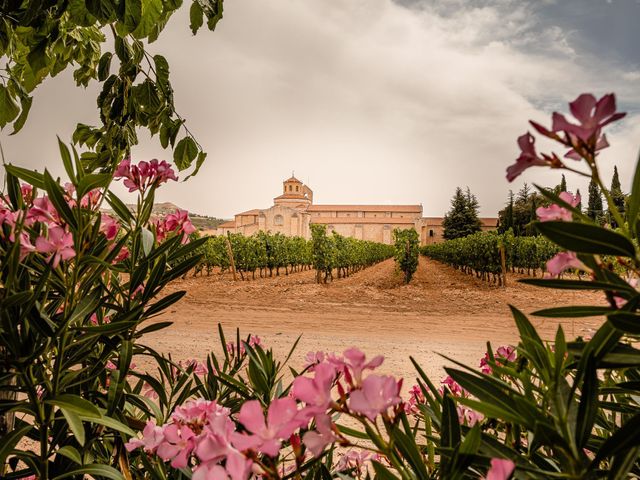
(442, 310)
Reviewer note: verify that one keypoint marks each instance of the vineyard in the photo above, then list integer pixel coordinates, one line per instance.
(267, 255)
(486, 254)
(406, 251)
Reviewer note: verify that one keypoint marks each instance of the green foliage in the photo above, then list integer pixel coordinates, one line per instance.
(462, 219)
(102, 41)
(406, 251)
(480, 253)
(594, 206)
(346, 255)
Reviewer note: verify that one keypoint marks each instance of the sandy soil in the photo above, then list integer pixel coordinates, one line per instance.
(441, 311)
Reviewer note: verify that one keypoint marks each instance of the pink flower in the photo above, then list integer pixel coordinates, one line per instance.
(122, 255)
(144, 175)
(26, 247)
(179, 222)
(313, 358)
(315, 392)
(59, 245)
(592, 115)
(501, 469)
(109, 226)
(267, 437)
(196, 413)
(564, 261)
(378, 393)
(177, 445)
(354, 459)
(556, 212)
(209, 471)
(91, 198)
(152, 437)
(506, 352)
(600, 144)
(354, 364)
(467, 416)
(416, 397)
(316, 440)
(528, 157)
(454, 387)
(43, 211)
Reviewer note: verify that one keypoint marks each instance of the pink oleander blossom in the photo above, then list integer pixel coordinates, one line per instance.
(316, 391)
(145, 174)
(254, 341)
(416, 397)
(454, 387)
(59, 244)
(556, 212)
(529, 157)
(180, 223)
(109, 226)
(177, 445)
(324, 434)
(266, 436)
(564, 261)
(354, 459)
(314, 358)
(353, 364)
(467, 416)
(377, 395)
(43, 211)
(501, 469)
(591, 115)
(152, 437)
(505, 352)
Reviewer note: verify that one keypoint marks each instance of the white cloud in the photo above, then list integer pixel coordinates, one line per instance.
(371, 101)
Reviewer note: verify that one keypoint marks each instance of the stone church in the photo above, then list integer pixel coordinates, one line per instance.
(293, 212)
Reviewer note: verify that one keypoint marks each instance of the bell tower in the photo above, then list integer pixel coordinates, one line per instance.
(294, 194)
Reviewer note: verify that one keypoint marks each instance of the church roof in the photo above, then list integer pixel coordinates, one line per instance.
(254, 211)
(363, 220)
(293, 179)
(229, 224)
(366, 208)
(296, 196)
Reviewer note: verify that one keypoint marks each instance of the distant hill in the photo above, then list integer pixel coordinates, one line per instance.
(201, 222)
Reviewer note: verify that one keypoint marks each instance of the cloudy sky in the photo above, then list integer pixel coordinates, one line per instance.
(372, 101)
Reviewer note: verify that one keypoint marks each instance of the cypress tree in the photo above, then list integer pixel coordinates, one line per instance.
(594, 207)
(579, 206)
(617, 196)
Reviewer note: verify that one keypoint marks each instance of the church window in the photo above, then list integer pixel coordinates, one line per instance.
(431, 233)
(297, 188)
(278, 220)
(290, 188)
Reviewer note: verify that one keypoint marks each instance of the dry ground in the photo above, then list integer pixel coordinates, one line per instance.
(441, 311)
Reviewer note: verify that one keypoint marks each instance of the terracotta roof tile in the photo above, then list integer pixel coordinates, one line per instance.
(362, 220)
(366, 208)
(254, 211)
(229, 224)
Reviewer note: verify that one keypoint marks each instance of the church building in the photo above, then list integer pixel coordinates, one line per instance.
(293, 212)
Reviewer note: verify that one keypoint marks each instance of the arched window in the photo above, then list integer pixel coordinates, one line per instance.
(278, 220)
(431, 233)
(297, 188)
(290, 188)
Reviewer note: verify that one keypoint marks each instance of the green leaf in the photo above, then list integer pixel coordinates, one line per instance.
(75, 404)
(104, 66)
(10, 440)
(92, 181)
(32, 178)
(151, 13)
(625, 321)
(585, 238)
(111, 423)
(185, 153)
(634, 201)
(201, 158)
(382, 473)
(75, 424)
(626, 437)
(25, 107)
(162, 73)
(8, 107)
(93, 469)
(147, 240)
(71, 453)
(573, 311)
(196, 17)
(577, 285)
(56, 196)
(132, 14)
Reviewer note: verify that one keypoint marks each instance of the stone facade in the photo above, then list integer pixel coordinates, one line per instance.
(293, 212)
